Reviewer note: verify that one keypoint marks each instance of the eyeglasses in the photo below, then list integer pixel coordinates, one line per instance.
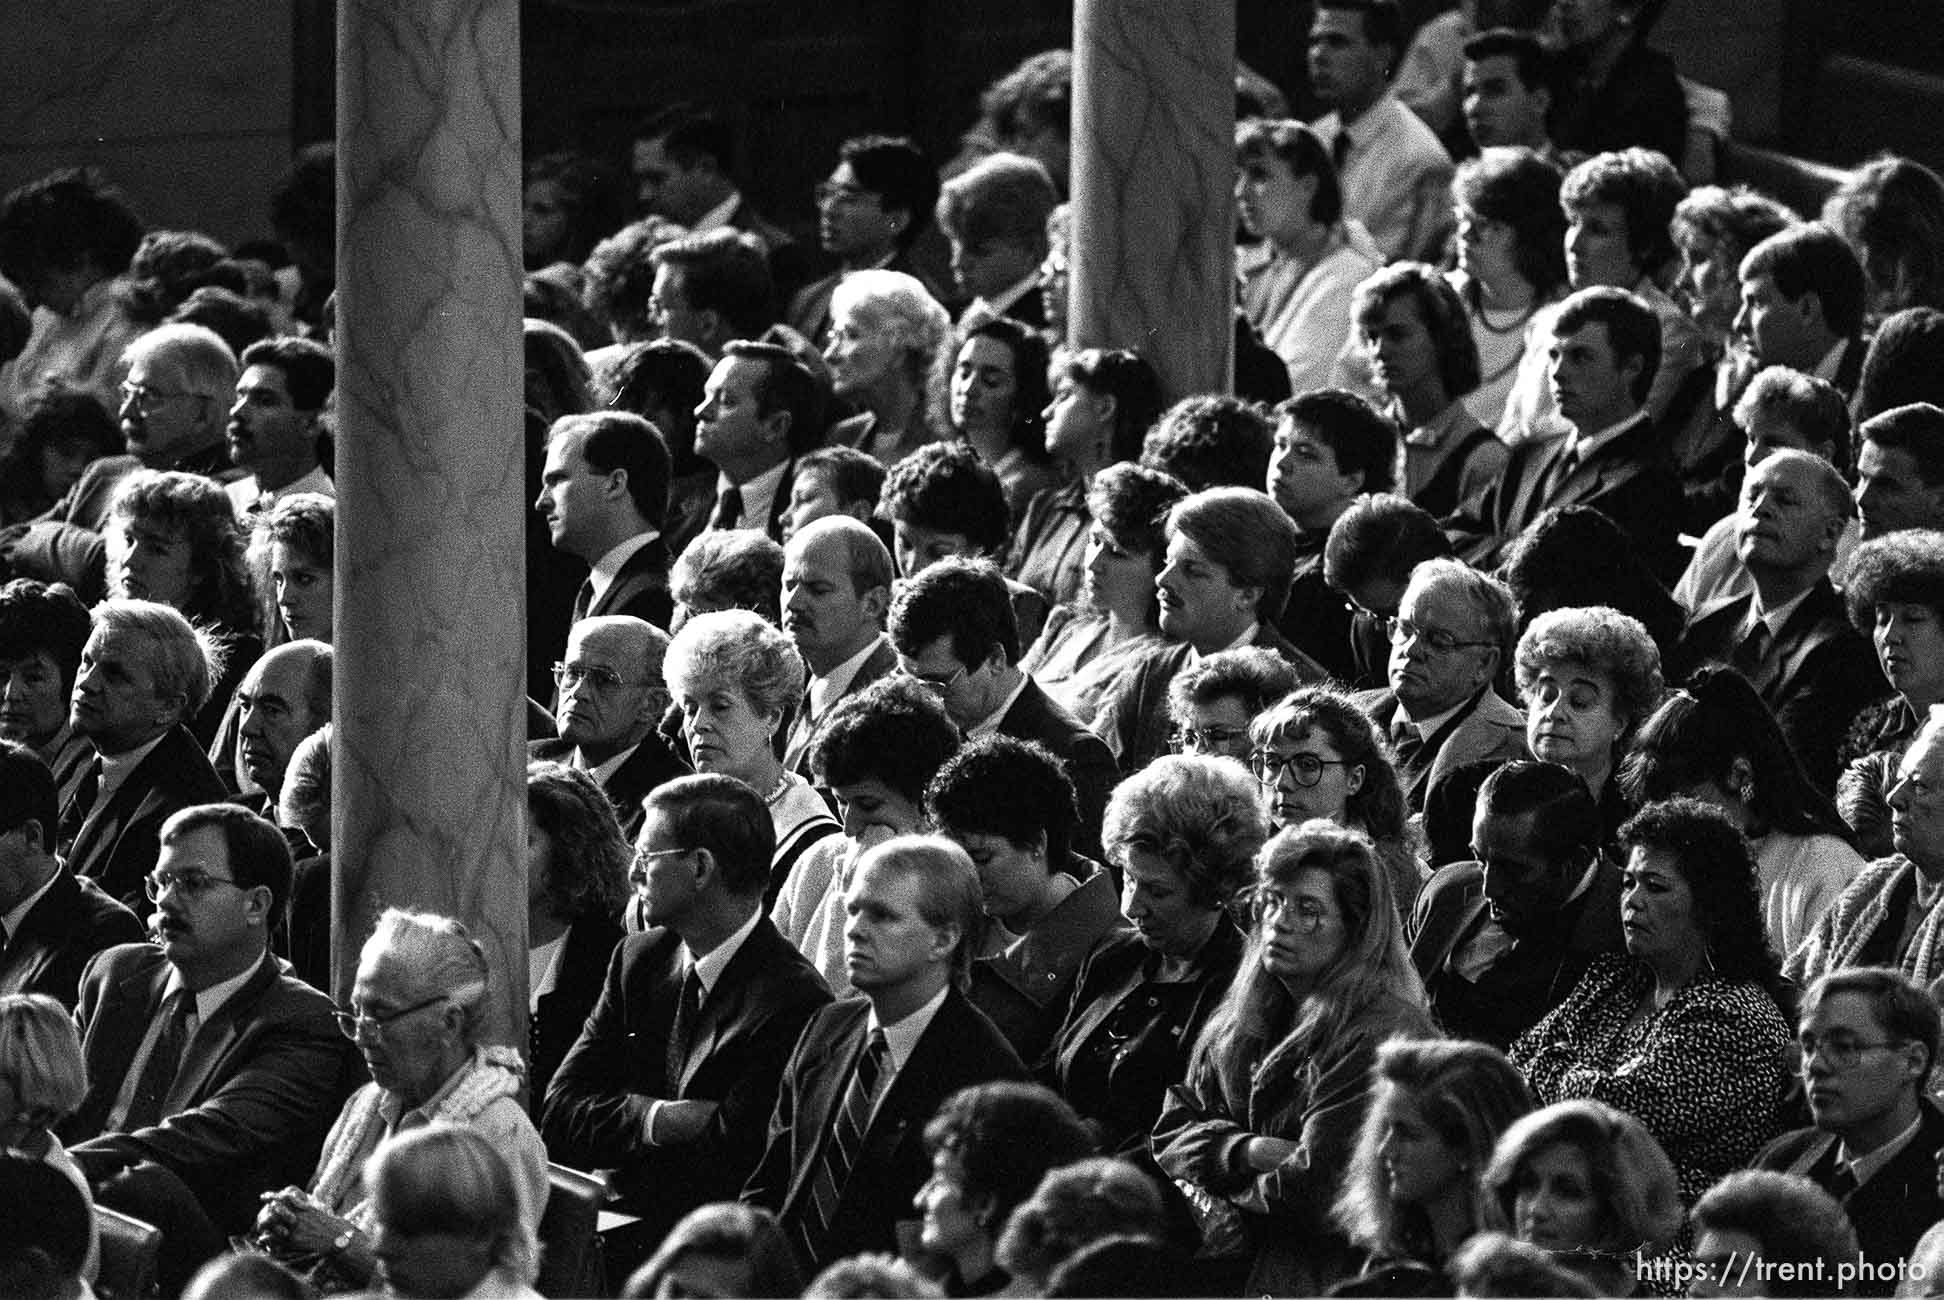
(643, 857)
(936, 685)
(1305, 768)
(1439, 640)
(568, 676)
(828, 193)
(354, 1022)
(1840, 1050)
(1306, 915)
(142, 397)
(1207, 740)
(193, 881)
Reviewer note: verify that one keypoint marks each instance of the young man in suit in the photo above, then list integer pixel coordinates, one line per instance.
(846, 1148)
(603, 493)
(678, 1064)
(1869, 1040)
(1802, 299)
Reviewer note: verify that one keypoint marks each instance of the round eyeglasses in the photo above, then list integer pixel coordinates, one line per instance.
(1304, 768)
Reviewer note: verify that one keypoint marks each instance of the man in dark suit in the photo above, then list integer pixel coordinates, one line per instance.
(1452, 633)
(1869, 1042)
(1802, 299)
(870, 212)
(1790, 636)
(954, 631)
(1502, 939)
(603, 492)
(211, 1075)
(994, 213)
(144, 673)
(677, 1067)
(285, 696)
(51, 922)
(846, 1149)
(612, 698)
(761, 409)
(1606, 349)
(836, 593)
(1231, 557)
(43, 630)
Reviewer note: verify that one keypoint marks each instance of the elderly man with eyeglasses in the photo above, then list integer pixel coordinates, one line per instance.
(416, 1007)
(212, 1075)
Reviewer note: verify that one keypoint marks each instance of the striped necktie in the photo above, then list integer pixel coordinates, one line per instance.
(839, 1155)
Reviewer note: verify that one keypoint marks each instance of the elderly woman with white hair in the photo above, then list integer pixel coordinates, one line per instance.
(446, 1202)
(885, 333)
(416, 1009)
(736, 680)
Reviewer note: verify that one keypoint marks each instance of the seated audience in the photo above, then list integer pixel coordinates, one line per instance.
(1372, 548)
(1685, 1030)
(834, 481)
(1424, 360)
(1415, 1187)
(612, 523)
(43, 1254)
(1714, 740)
(1310, 254)
(712, 288)
(836, 594)
(1507, 84)
(994, 395)
(1211, 441)
(1114, 618)
(43, 630)
(1901, 366)
(291, 562)
(1869, 1043)
(726, 1249)
(871, 212)
(1260, 1142)
(990, 1146)
(448, 1215)
(1900, 470)
(885, 335)
(46, 1080)
(1891, 210)
(1503, 937)
(1317, 755)
(732, 568)
(1214, 701)
(1588, 678)
(875, 754)
(1778, 1228)
(994, 213)
(1084, 1202)
(761, 408)
(1511, 266)
(65, 430)
(1803, 297)
(1612, 88)
(1587, 1184)
(661, 381)
(1182, 833)
(734, 678)
(678, 1062)
(577, 882)
(276, 423)
(284, 697)
(1009, 805)
(1573, 553)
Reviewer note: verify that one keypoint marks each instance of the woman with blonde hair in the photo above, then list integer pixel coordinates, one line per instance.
(447, 1219)
(42, 1080)
(1262, 1130)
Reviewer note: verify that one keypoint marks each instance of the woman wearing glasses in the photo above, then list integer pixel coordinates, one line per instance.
(1213, 700)
(1260, 1134)
(885, 334)
(415, 1014)
(1318, 755)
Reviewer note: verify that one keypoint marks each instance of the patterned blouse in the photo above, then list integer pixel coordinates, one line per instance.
(1704, 1073)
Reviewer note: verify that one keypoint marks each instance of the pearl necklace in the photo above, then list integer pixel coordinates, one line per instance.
(782, 785)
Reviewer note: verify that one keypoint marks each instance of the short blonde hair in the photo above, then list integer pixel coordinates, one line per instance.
(40, 1055)
(897, 305)
(447, 1177)
(740, 649)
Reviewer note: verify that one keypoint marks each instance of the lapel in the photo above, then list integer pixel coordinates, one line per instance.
(638, 573)
(95, 840)
(1606, 469)
(48, 924)
(1529, 498)
(215, 1039)
(723, 1008)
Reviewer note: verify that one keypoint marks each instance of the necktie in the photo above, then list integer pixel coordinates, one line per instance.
(840, 1152)
(1407, 744)
(83, 802)
(159, 1071)
(1747, 659)
(686, 1012)
(1340, 149)
(1841, 1181)
(583, 599)
(1562, 470)
(728, 511)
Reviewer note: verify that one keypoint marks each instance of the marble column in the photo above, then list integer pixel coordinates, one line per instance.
(429, 789)
(1152, 257)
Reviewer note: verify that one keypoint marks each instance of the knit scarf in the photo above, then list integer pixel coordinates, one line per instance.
(1863, 909)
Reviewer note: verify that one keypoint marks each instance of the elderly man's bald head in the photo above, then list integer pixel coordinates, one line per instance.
(612, 692)
(868, 560)
(285, 697)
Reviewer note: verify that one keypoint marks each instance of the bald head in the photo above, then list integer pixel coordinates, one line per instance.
(1793, 508)
(284, 698)
(612, 693)
(836, 590)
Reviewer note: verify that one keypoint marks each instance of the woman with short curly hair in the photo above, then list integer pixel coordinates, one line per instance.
(886, 331)
(1183, 832)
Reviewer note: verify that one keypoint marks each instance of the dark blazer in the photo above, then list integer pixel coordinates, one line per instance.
(1629, 480)
(1035, 715)
(117, 846)
(260, 1083)
(651, 765)
(1493, 729)
(564, 999)
(958, 1049)
(1892, 1210)
(1817, 674)
(640, 588)
(881, 662)
(1025, 989)
(598, 1104)
(72, 922)
(1133, 714)
(789, 261)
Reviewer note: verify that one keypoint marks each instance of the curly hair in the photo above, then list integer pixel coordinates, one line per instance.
(1209, 441)
(1006, 1136)
(1083, 1202)
(897, 307)
(620, 277)
(1204, 817)
(1253, 674)
(1904, 567)
(1646, 188)
(1130, 379)
(590, 855)
(738, 649)
(1031, 395)
(196, 510)
(1633, 1180)
(1603, 639)
(1814, 408)
(1440, 309)
(945, 487)
(730, 568)
(1793, 1219)
(1736, 218)
(1001, 785)
(166, 267)
(894, 730)
(1378, 808)
(1517, 186)
(1131, 505)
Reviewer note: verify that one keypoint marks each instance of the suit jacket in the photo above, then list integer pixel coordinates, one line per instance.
(565, 997)
(72, 922)
(651, 765)
(1629, 480)
(789, 261)
(116, 846)
(259, 1086)
(1492, 729)
(1891, 1210)
(640, 588)
(597, 1108)
(1133, 714)
(881, 662)
(1036, 716)
(1816, 674)
(958, 1049)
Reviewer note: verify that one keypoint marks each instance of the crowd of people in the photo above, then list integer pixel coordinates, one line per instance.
(1462, 813)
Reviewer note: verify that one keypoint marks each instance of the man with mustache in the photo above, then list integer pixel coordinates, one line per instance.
(836, 595)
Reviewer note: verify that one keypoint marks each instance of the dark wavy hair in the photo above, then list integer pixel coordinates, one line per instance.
(1006, 1136)
(894, 730)
(1901, 567)
(1517, 186)
(1131, 381)
(199, 511)
(591, 856)
(1131, 505)
(1030, 393)
(1378, 807)
(1001, 785)
(1204, 817)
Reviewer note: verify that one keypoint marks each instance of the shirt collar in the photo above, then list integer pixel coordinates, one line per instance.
(1246, 639)
(989, 724)
(1585, 446)
(604, 571)
(391, 1106)
(1000, 303)
(902, 1037)
(718, 215)
(1863, 1167)
(1428, 727)
(1433, 432)
(13, 918)
(829, 688)
(1779, 616)
(709, 966)
(758, 494)
(116, 767)
(211, 999)
(601, 772)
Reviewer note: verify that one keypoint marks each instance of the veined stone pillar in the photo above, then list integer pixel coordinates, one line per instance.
(1153, 252)
(428, 784)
